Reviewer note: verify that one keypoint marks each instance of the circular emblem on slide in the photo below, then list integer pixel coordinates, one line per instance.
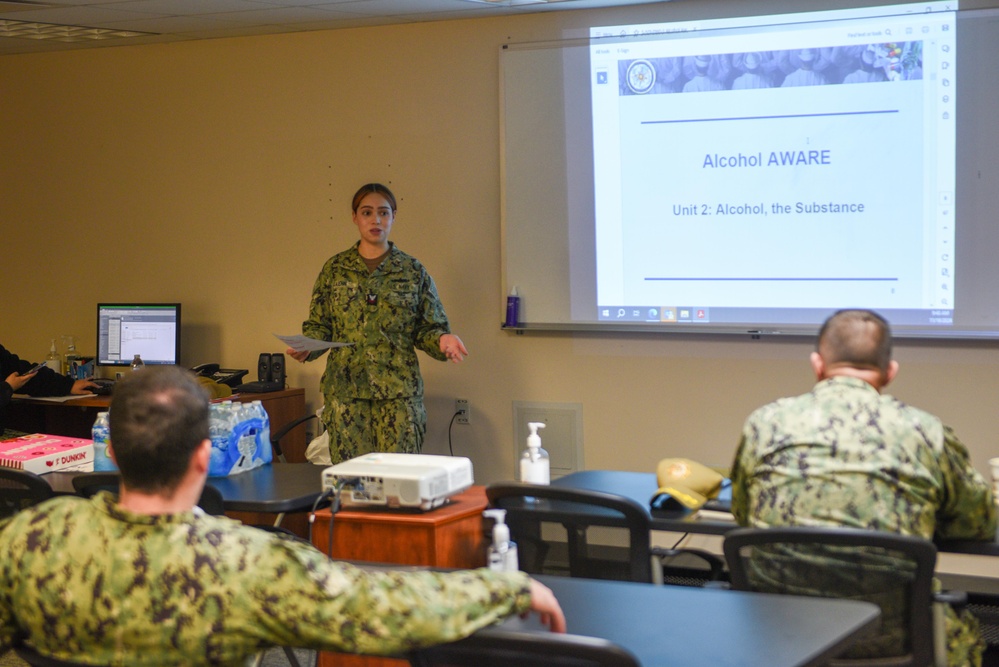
(641, 76)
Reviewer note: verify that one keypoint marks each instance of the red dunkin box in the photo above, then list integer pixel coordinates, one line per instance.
(40, 453)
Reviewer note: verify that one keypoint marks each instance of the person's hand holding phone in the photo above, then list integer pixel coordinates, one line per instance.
(34, 369)
(18, 380)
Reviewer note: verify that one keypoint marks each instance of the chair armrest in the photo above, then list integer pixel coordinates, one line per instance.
(958, 600)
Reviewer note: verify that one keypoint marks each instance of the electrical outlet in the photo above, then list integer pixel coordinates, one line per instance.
(461, 407)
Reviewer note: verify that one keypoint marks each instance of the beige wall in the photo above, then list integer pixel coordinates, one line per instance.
(218, 174)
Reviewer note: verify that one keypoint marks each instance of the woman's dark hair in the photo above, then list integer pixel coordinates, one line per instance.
(372, 188)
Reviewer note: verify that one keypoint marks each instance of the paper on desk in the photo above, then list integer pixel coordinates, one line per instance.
(714, 515)
(306, 344)
(53, 399)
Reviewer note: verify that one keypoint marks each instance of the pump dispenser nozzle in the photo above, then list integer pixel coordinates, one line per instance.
(535, 467)
(501, 532)
(534, 440)
(53, 361)
(502, 552)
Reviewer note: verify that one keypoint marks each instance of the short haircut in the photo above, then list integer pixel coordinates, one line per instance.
(857, 338)
(372, 188)
(159, 416)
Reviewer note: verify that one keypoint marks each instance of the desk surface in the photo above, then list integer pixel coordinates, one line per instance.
(676, 625)
(103, 402)
(641, 486)
(272, 489)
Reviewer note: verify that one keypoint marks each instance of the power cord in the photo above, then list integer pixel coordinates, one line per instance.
(326, 495)
(334, 508)
(334, 496)
(450, 448)
(679, 541)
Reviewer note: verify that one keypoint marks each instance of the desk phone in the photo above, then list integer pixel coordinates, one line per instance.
(227, 376)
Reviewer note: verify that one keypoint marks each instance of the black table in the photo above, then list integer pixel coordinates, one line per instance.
(677, 625)
(273, 489)
(641, 486)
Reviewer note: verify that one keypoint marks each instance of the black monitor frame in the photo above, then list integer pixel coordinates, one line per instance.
(124, 357)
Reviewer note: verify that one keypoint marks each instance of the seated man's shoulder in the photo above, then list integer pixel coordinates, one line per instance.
(54, 513)
(909, 417)
(780, 407)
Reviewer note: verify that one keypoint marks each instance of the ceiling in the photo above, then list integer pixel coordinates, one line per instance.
(32, 26)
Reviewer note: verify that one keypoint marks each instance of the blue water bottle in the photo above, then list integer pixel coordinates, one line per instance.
(101, 435)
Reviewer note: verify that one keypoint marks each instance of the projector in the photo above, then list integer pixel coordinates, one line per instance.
(412, 481)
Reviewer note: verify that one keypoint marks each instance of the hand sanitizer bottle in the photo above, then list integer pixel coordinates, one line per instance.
(535, 466)
(53, 361)
(72, 358)
(502, 551)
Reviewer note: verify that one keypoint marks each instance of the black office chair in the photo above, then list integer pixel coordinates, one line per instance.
(20, 489)
(525, 649)
(87, 485)
(285, 430)
(560, 518)
(893, 571)
(985, 607)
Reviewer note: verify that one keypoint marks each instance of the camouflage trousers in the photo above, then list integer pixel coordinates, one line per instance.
(360, 426)
(964, 642)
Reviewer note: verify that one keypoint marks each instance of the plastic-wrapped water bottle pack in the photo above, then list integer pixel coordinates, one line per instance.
(241, 438)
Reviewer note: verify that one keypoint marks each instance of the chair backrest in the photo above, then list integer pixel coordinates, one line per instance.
(20, 489)
(89, 484)
(211, 501)
(525, 649)
(534, 513)
(285, 430)
(893, 571)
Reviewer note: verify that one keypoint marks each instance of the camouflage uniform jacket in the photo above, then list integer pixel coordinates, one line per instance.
(85, 579)
(845, 455)
(386, 315)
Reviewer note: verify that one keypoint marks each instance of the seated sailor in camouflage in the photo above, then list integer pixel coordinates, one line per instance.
(847, 455)
(149, 580)
(385, 305)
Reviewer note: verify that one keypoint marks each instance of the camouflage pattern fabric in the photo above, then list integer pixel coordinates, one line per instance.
(358, 427)
(386, 316)
(845, 455)
(88, 581)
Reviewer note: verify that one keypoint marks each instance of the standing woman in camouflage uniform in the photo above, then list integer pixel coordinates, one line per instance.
(384, 304)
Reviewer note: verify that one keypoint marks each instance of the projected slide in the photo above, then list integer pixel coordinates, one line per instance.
(800, 164)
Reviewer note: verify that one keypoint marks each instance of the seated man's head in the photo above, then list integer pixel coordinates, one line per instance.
(855, 343)
(158, 418)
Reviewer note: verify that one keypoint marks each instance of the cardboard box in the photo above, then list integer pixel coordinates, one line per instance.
(40, 453)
